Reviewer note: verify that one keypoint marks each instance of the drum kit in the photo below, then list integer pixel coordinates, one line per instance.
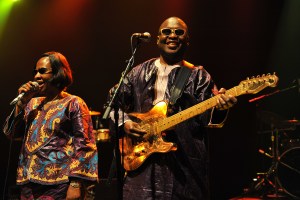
(282, 179)
(101, 132)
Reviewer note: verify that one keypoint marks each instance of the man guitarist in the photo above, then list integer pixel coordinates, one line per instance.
(181, 171)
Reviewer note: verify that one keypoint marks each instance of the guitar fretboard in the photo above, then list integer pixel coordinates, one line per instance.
(197, 109)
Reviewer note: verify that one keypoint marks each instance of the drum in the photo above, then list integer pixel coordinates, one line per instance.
(102, 135)
(289, 143)
(289, 171)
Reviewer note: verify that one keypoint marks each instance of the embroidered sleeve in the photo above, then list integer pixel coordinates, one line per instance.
(84, 162)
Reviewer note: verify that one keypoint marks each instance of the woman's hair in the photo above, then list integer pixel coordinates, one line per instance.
(62, 73)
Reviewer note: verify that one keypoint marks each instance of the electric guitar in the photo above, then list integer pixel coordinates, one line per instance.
(135, 152)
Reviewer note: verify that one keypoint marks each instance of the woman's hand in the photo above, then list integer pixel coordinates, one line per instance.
(29, 89)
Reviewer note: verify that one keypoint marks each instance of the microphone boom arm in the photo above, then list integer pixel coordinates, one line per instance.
(124, 73)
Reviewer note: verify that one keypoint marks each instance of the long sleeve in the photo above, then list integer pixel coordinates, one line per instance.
(84, 162)
(14, 126)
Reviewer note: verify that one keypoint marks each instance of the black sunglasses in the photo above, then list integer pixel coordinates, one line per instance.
(168, 31)
(41, 71)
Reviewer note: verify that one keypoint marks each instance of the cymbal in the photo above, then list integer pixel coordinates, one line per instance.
(277, 121)
(269, 117)
(94, 112)
(293, 122)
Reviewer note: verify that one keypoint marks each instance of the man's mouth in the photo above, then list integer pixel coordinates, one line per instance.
(172, 44)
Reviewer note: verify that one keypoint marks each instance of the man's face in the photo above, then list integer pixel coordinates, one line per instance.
(173, 39)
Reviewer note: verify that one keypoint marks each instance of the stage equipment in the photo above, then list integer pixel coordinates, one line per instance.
(282, 179)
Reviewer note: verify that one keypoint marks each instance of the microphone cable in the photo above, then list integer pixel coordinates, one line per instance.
(7, 169)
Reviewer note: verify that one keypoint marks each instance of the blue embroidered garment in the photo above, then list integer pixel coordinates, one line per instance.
(58, 141)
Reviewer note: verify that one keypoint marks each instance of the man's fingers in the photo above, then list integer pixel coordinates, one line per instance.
(135, 134)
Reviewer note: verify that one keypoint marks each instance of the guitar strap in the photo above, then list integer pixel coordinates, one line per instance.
(181, 79)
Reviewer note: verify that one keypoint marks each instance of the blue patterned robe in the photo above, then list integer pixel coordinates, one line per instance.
(58, 142)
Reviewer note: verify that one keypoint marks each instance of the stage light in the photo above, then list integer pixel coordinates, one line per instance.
(5, 7)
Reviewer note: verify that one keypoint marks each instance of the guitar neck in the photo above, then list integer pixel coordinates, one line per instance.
(197, 109)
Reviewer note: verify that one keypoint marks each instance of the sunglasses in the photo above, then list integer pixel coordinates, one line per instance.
(168, 31)
(42, 71)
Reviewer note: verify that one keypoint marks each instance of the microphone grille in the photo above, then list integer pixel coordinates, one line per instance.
(35, 85)
(147, 37)
(147, 34)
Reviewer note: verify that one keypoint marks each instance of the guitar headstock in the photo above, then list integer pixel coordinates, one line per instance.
(256, 84)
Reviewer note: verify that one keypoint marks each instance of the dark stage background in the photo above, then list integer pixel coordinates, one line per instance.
(233, 39)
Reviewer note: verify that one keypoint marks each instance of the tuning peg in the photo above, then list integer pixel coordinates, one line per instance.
(263, 75)
(257, 76)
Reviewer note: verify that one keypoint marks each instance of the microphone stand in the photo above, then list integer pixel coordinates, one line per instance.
(117, 162)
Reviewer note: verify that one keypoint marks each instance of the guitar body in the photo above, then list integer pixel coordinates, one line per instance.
(135, 152)
(154, 122)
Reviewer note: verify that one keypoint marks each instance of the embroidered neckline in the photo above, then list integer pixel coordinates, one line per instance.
(46, 104)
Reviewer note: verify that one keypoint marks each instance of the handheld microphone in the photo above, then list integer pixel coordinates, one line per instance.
(146, 37)
(35, 87)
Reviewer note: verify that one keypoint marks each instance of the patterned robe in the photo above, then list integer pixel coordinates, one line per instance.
(180, 174)
(58, 142)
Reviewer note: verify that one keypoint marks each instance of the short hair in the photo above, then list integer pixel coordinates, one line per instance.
(62, 73)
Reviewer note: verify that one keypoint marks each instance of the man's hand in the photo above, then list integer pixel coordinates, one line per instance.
(225, 101)
(133, 129)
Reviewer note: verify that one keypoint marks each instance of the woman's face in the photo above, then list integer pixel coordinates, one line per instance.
(43, 74)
